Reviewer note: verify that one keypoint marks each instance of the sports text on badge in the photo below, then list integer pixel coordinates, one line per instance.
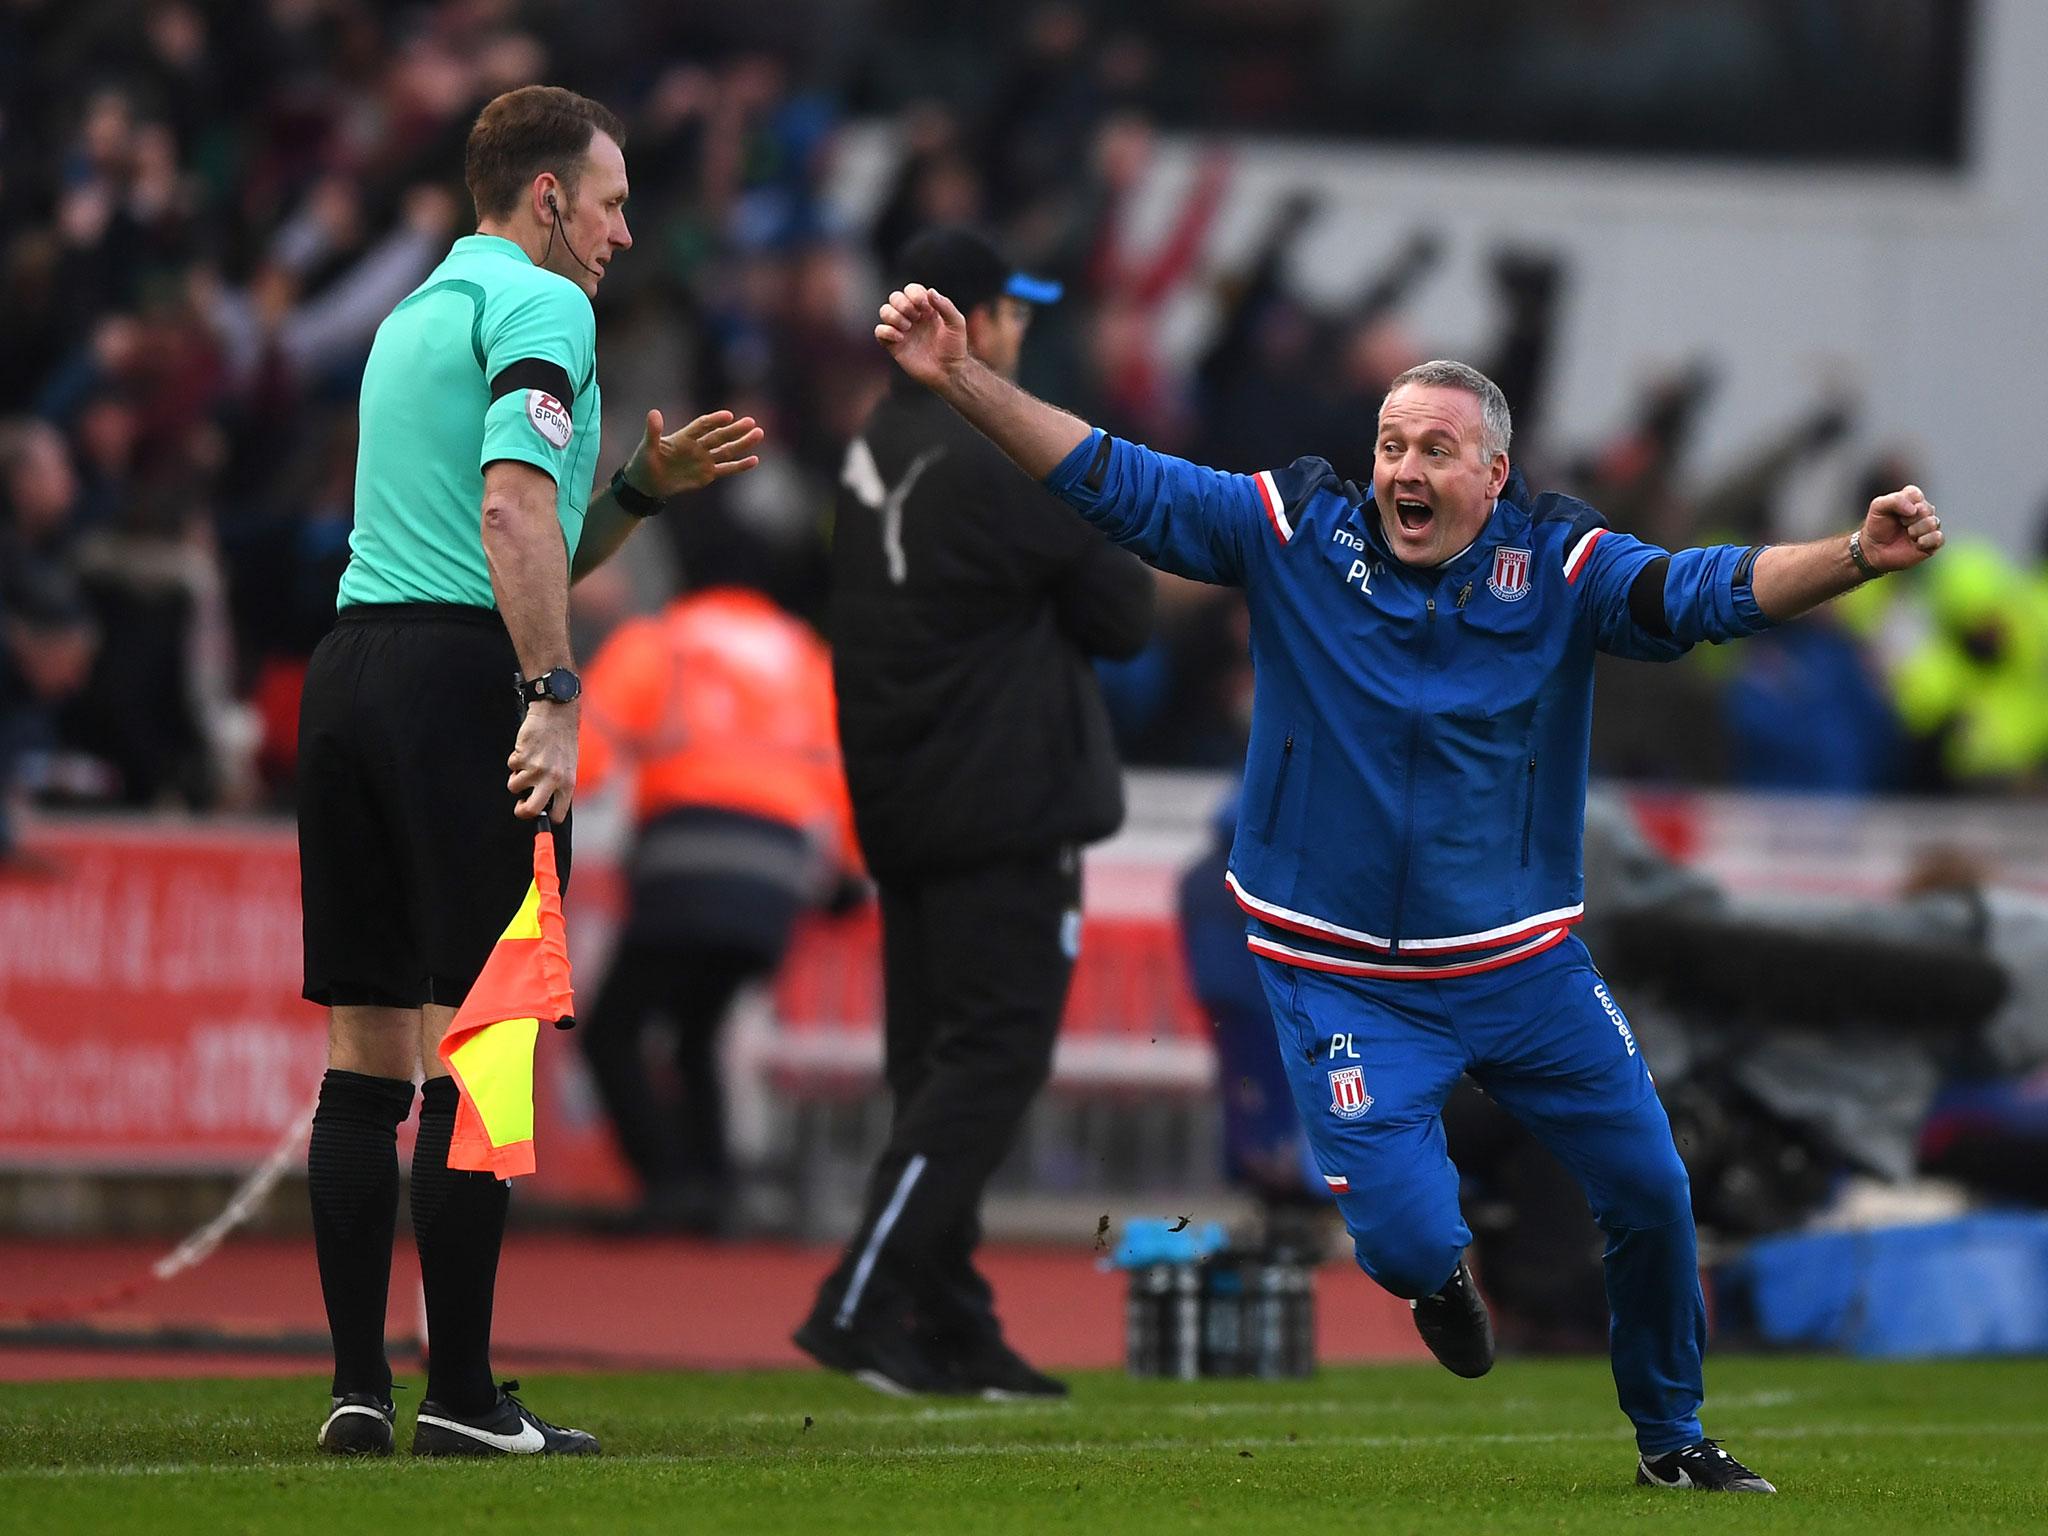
(549, 419)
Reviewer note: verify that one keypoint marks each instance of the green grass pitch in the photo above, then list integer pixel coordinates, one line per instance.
(1536, 1446)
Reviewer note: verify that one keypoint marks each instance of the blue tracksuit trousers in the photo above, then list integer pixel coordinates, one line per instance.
(1370, 1062)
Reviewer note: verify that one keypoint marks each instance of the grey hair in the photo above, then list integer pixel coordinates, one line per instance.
(1497, 426)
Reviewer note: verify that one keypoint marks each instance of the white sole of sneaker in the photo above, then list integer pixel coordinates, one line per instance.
(528, 1442)
(1645, 1478)
(352, 1411)
(882, 1384)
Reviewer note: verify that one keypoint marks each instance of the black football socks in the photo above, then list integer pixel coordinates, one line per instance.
(458, 1221)
(352, 1176)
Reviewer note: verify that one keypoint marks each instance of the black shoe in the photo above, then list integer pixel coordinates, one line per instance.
(1454, 1324)
(999, 1374)
(359, 1425)
(888, 1360)
(507, 1428)
(1704, 1466)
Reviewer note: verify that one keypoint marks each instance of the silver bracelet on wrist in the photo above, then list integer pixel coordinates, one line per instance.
(1870, 572)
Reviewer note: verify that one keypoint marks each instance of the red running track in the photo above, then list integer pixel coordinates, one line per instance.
(573, 1301)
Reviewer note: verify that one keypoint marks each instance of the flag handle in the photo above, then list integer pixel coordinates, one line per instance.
(544, 826)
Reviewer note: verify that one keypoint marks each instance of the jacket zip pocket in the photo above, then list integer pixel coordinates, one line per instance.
(1305, 1037)
(1279, 784)
(1529, 810)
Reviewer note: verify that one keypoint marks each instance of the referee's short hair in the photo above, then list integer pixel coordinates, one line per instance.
(524, 132)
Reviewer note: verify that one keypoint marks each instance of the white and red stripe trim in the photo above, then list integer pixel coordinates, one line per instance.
(1505, 934)
(1575, 559)
(1357, 938)
(1276, 508)
(1387, 971)
(1302, 922)
(1339, 1183)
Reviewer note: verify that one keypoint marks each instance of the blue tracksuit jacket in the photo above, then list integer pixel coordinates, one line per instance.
(1415, 786)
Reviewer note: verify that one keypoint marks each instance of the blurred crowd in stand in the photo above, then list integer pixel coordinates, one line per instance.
(211, 206)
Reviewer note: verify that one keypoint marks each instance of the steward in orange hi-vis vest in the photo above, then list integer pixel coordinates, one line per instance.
(721, 700)
(720, 709)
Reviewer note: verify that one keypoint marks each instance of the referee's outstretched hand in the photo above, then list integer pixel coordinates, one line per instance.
(690, 458)
(925, 332)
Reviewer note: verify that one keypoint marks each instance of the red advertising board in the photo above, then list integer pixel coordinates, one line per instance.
(150, 1015)
(149, 998)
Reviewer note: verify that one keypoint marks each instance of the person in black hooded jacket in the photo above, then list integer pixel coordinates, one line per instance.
(966, 605)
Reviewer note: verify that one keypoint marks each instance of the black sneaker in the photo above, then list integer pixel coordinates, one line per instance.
(1704, 1466)
(1454, 1324)
(358, 1425)
(999, 1374)
(507, 1428)
(888, 1360)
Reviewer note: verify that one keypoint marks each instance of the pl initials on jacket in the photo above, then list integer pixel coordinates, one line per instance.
(1415, 788)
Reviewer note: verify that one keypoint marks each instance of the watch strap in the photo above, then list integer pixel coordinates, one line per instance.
(537, 690)
(637, 502)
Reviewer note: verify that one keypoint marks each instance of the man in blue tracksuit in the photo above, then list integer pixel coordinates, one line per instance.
(1414, 800)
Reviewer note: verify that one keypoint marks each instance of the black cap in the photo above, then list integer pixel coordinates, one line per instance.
(967, 269)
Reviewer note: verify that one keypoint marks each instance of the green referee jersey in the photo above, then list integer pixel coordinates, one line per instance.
(490, 358)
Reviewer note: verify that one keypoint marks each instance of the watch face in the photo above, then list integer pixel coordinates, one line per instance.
(564, 685)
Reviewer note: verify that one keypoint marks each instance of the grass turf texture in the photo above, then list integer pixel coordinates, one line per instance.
(1536, 1446)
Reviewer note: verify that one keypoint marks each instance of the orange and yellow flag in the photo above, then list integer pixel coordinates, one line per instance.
(489, 1046)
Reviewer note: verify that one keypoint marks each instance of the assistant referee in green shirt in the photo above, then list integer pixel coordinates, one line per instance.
(449, 666)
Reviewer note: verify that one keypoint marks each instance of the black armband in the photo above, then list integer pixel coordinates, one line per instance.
(1646, 599)
(1098, 467)
(639, 503)
(535, 373)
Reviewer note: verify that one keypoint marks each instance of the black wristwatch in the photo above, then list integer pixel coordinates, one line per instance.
(556, 686)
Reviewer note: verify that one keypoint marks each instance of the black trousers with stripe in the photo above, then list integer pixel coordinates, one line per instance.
(975, 971)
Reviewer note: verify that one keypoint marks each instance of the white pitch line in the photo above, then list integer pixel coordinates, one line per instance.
(972, 1412)
(1376, 1407)
(1153, 1444)
(1232, 1443)
(954, 1415)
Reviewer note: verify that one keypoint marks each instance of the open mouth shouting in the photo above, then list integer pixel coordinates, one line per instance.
(1414, 516)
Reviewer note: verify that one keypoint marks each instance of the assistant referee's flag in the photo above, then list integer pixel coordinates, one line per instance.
(489, 1046)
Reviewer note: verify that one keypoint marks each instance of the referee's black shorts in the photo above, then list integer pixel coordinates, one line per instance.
(411, 862)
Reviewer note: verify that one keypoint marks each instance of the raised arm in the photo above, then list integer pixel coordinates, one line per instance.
(1184, 518)
(927, 336)
(1653, 606)
(1899, 531)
